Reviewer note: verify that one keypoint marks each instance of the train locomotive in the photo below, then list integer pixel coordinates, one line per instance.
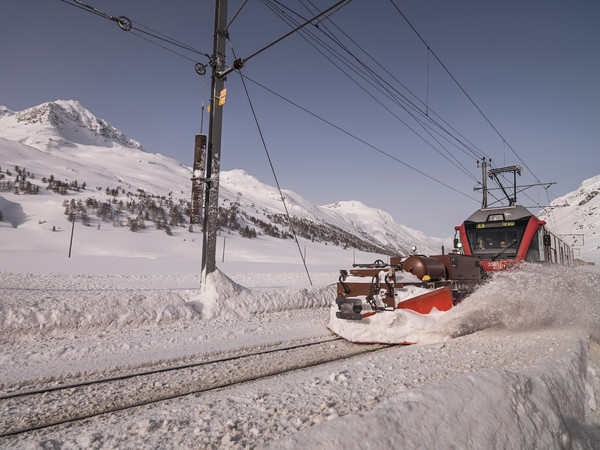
(504, 236)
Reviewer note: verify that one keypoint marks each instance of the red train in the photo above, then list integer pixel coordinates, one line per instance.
(504, 236)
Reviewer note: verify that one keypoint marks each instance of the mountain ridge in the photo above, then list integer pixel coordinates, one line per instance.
(73, 124)
(77, 148)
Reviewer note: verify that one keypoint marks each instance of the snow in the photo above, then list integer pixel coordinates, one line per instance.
(399, 326)
(500, 408)
(515, 365)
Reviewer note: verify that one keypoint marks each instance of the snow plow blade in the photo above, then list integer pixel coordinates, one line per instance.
(441, 299)
(403, 325)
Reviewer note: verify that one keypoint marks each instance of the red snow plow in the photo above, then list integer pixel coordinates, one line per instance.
(382, 302)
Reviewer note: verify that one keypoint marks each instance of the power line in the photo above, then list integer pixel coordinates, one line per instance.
(244, 60)
(373, 79)
(127, 25)
(379, 77)
(287, 213)
(377, 81)
(462, 89)
(373, 147)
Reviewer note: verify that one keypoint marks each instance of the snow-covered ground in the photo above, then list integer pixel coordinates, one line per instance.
(516, 365)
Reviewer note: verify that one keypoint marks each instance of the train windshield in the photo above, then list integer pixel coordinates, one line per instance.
(495, 242)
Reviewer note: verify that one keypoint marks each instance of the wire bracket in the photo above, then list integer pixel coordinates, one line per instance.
(124, 23)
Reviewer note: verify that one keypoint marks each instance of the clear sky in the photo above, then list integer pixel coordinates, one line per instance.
(533, 68)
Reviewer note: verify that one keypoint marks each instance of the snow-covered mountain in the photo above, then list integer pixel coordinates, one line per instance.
(59, 124)
(576, 216)
(61, 147)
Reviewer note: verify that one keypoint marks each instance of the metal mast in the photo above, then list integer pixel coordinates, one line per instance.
(213, 155)
(484, 202)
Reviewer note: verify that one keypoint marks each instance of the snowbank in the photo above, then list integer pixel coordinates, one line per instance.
(222, 297)
(30, 302)
(544, 406)
(12, 213)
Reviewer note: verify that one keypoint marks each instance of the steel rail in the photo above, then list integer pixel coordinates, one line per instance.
(95, 398)
(61, 387)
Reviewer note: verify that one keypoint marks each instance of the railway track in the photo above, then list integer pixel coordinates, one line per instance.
(50, 406)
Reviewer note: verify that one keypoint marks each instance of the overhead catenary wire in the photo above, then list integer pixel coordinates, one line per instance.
(235, 15)
(411, 105)
(164, 38)
(294, 31)
(377, 81)
(463, 90)
(353, 136)
(128, 25)
(426, 102)
(379, 78)
(169, 40)
(163, 47)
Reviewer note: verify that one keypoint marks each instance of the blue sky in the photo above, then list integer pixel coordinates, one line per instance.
(532, 68)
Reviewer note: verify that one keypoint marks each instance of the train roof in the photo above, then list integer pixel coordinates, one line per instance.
(511, 213)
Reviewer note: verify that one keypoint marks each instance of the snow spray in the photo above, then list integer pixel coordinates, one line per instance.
(532, 296)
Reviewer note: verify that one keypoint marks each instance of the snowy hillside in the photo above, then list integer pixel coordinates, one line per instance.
(576, 215)
(57, 159)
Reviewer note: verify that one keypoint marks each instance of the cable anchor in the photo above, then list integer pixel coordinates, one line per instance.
(200, 69)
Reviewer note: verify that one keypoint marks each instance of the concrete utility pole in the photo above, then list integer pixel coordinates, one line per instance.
(198, 179)
(484, 183)
(213, 155)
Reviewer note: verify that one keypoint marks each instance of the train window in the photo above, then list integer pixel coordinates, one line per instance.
(535, 253)
(495, 243)
(562, 256)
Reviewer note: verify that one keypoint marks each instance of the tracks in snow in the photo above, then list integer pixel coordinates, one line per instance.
(46, 407)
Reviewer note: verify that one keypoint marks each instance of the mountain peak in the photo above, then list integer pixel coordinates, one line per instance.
(60, 121)
(4, 111)
(347, 204)
(358, 209)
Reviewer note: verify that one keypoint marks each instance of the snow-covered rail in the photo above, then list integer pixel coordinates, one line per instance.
(56, 405)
